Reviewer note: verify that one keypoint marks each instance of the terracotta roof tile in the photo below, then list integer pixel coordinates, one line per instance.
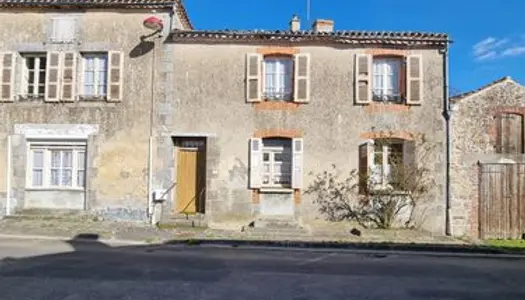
(341, 37)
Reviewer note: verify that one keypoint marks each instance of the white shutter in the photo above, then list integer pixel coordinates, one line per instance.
(254, 76)
(297, 163)
(69, 69)
(7, 76)
(114, 76)
(52, 77)
(302, 77)
(414, 80)
(255, 162)
(363, 78)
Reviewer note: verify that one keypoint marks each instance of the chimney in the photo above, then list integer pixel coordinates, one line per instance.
(321, 25)
(295, 24)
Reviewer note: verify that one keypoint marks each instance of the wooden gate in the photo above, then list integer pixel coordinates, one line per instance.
(501, 201)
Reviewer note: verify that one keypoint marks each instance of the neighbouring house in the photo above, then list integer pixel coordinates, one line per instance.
(255, 112)
(488, 161)
(76, 103)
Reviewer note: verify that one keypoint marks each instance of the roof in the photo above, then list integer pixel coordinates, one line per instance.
(405, 38)
(181, 11)
(461, 96)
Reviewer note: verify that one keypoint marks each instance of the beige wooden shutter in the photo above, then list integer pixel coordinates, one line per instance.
(414, 79)
(366, 152)
(7, 76)
(302, 77)
(52, 77)
(409, 162)
(69, 63)
(363, 78)
(297, 163)
(255, 162)
(115, 80)
(254, 77)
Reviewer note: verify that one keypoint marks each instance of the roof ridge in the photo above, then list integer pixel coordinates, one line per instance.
(482, 88)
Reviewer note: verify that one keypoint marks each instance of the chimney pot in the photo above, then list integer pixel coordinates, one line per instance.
(323, 25)
(295, 24)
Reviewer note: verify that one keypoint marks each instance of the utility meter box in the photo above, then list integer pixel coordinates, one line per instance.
(159, 195)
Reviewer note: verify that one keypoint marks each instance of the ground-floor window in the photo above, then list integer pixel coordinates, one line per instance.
(54, 165)
(277, 162)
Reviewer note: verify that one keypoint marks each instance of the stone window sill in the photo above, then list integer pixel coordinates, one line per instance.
(54, 189)
(276, 190)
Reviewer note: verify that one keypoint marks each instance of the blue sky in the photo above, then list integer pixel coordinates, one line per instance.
(489, 35)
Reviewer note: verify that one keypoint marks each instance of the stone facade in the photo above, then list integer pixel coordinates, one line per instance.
(210, 101)
(111, 132)
(474, 134)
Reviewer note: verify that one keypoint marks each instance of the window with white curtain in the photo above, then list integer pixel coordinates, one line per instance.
(277, 162)
(57, 166)
(386, 76)
(95, 74)
(278, 78)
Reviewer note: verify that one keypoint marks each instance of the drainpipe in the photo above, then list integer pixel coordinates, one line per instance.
(447, 114)
(8, 178)
(151, 131)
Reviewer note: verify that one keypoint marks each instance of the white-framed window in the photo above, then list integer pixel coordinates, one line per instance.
(278, 78)
(57, 166)
(387, 154)
(63, 29)
(33, 83)
(95, 72)
(276, 162)
(386, 74)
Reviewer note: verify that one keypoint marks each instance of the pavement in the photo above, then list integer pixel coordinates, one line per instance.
(76, 270)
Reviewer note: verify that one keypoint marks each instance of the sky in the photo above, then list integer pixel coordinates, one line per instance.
(488, 35)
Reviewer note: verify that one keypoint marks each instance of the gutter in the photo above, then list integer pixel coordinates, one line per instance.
(447, 114)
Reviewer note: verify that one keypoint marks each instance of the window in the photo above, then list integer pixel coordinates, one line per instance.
(276, 162)
(278, 78)
(34, 75)
(386, 79)
(510, 134)
(387, 155)
(57, 166)
(95, 75)
(63, 30)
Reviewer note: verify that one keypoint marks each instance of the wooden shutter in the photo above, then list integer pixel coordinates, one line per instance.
(510, 133)
(297, 163)
(365, 163)
(363, 78)
(69, 63)
(255, 162)
(302, 78)
(115, 80)
(254, 77)
(7, 76)
(414, 79)
(409, 159)
(52, 77)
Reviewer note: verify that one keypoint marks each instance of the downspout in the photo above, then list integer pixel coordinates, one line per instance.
(8, 178)
(447, 114)
(151, 132)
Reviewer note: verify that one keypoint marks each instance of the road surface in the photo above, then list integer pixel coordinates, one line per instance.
(78, 271)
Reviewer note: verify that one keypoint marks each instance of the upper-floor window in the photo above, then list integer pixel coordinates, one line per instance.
(63, 29)
(95, 75)
(386, 85)
(278, 78)
(33, 70)
(510, 134)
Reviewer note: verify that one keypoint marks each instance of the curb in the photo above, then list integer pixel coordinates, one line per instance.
(429, 250)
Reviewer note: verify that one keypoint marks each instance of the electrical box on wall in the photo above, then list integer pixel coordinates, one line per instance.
(159, 195)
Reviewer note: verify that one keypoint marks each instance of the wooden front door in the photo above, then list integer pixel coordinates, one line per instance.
(190, 180)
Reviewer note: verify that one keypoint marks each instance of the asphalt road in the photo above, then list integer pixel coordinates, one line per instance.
(78, 271)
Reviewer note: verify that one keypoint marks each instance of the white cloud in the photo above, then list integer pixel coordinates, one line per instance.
(492, 48)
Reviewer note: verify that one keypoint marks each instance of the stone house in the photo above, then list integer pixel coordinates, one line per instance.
(76, 103)
(487, 170)
(255, 112)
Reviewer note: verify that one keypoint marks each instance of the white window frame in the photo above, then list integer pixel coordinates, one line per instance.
(381, 173)
(63, 29)
(47, 147)
(96, 94)
(385, 93)
(287, 92)
(24, 75)
(271, 151)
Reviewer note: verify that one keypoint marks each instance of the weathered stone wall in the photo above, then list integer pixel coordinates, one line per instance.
(210, 99)
(473, 140)
(118, 151)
